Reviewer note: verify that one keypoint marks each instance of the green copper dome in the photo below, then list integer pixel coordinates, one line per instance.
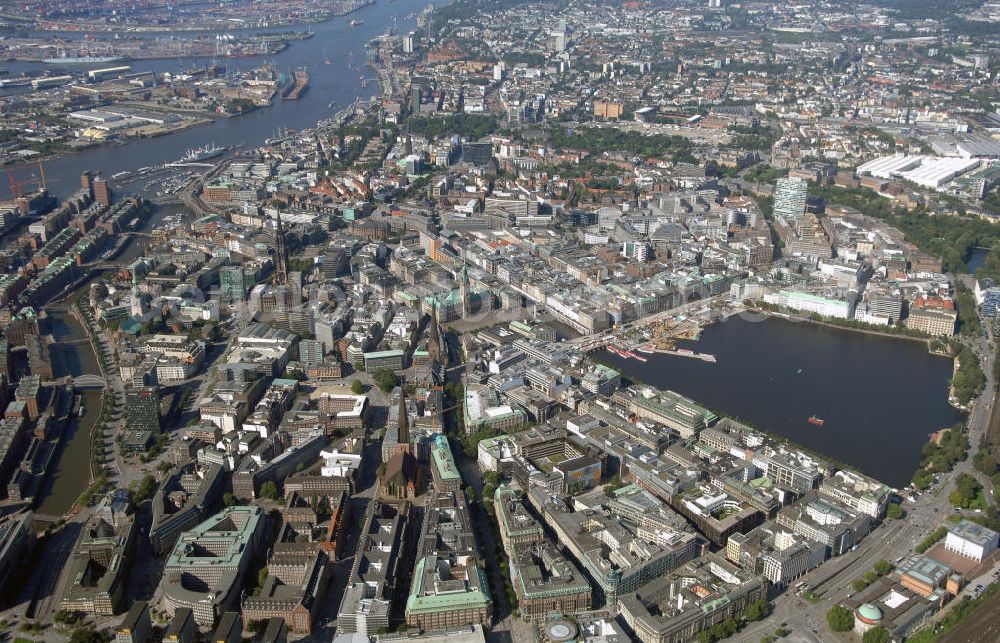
(870, 613)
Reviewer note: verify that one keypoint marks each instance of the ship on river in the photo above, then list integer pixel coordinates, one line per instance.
(83, 60)
(202, 153)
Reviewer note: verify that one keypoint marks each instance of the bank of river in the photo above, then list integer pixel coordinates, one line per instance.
(880, 397)
(335, 57)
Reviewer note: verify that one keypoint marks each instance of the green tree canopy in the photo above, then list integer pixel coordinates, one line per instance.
(269, 490)
(840, 619)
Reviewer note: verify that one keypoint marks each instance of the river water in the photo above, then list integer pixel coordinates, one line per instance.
(337, 83)
(880, 397)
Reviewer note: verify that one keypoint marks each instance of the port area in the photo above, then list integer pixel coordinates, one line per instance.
(659, 335)
(298, 85)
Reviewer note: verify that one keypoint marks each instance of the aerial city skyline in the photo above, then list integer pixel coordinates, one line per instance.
(494, 320)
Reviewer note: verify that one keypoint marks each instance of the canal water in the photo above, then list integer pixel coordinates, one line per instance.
(335, 57)
(880, 397)
(72, 355)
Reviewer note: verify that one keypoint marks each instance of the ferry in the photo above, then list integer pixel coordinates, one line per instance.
(617, 351)
(629, 353)
(814, 419)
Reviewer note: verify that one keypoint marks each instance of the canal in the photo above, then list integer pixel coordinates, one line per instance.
(73, 355)
(880, 397)
(335, 57)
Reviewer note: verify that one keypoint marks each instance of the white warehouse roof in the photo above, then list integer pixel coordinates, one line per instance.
(936, 172)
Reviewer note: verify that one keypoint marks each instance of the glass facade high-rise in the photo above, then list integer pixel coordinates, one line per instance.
(234, 283)
(142, 407)
(790, 198)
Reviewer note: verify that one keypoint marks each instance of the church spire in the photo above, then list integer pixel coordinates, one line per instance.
(434, 337)
(281, 275)
(464, 291)
(403, 434)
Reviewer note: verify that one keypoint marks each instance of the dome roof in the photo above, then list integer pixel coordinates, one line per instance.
(870, 613)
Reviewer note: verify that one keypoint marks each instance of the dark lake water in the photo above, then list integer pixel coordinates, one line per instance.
(976, 259)
(337, 83)
(880, 397)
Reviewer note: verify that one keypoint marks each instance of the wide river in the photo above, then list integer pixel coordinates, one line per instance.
(331, 87)
(880, 397)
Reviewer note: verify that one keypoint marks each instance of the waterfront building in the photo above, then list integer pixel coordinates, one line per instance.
(933, 317)
(811, 303)
(102, 560)
(858, 492)
(666, 407)
(483, 411)
(17, 540)
(793, 470)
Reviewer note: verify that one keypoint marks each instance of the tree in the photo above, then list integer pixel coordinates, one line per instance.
(357, 387)
(269, 490)
(144, 490)
(840, 619)
(877, 634)
(384, 378)
(968, 493)
(228, 499)
(882, 567)
(89, 635)
(756, 610)
(894, 511)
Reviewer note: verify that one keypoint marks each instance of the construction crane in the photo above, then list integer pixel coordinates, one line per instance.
(17, 186)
